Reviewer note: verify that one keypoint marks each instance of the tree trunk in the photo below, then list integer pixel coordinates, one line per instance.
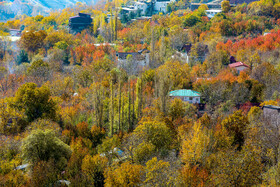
(129, 102)
(112, 110)
(120, 106)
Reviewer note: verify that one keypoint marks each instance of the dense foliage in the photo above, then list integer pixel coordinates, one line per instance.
(70, 113)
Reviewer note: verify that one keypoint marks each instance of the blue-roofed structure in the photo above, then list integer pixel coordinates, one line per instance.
(186, 95)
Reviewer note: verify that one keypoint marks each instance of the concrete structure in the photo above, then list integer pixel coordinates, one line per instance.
(13, 39)
(15, 32)
(154, 6)
(212, 12)
(272, 115)
(185, 53)
(79, 23)
(139, 60)
(186, 95)
(142, 6)
(186, 49)
(161, 6)
(239, 66)
(135, 7)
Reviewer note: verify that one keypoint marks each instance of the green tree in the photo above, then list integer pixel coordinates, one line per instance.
(34, 102)
(61, 45)
(22, 57)
(191, 20)
(45, 146)
(177, 109)
(156, 133)
(39, 68)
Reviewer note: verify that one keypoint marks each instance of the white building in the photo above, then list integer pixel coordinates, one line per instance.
(141, 6)
(212, 12)
(161, 6)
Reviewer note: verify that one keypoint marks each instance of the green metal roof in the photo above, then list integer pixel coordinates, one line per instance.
(184, 93)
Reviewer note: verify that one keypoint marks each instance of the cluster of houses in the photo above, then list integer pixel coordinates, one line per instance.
(146, 7)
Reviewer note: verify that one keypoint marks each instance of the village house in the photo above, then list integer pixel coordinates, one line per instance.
(15, 32)
(239, 66)
(161, 6)
(212, 12)
(184, 54)
(143, 7)
(186, 95)
(133, 61)
(79, 23)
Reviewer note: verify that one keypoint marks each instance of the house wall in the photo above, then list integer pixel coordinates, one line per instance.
(187, 99)
(15, 33)
(161, 6)
(212, 13)
(135, 66)
(142, 6)
(241, 68)
(272, 116)
(147, 63)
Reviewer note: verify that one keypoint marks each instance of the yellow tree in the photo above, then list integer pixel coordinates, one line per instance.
(158, 173)
(225, 6)
(238, 168)
(32, 41)
(236, 124)
(125, 175)
(195, 144)
(93, 167)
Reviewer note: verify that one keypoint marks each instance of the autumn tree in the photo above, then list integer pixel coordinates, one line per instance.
(236, 124)
(39, 70)
(94, 167)
(195, 145)
(31, 41)
(177, 109)
(44, 173)
(126, 175)
(12, 121)
(159, 173)
(225, 6)
(238, 168)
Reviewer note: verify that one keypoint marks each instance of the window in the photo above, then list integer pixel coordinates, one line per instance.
(191, 98)
(197, 99)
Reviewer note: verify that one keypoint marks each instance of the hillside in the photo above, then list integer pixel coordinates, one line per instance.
(140, 94)
(11, 8)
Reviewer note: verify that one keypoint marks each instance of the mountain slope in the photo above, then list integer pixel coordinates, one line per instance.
(11, 8)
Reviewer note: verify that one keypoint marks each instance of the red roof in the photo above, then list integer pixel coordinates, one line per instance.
(237, 64)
